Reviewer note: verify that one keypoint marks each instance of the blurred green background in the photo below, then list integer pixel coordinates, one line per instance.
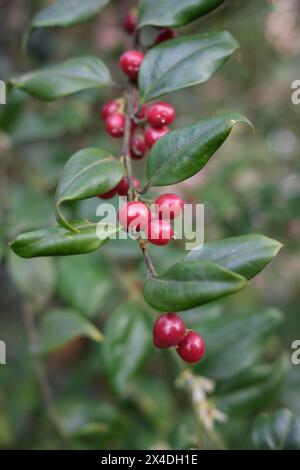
(252, 185)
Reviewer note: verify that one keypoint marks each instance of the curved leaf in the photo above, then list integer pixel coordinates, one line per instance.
(88, 173)
(183, 62)
(60, 326)
(276, 431)
(189, 284)
(67, 13)
(174, 12)
(57, 241)
(246, 255)
(182, 153)
(71, 76)
(126, 345)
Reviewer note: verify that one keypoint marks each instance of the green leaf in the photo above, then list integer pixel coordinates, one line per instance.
(126, 345)
(189, 284)
(85, 416)
(67, 13)
(172, 12)
(246, 255)
(234, 342)
(57, 241)
(36, 279)
(60, 326)
(71, 76)
(183, 62)
(182, 153)
(83, 283)
(253, 389)
(29, 208)
(88, 173)
(276, 431)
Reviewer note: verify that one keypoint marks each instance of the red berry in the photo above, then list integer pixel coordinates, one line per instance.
(137, 147)
(111, 107)
(115, 124)
(152, 135)
(159, 232)
(123, 186)
(192, 348)
(130, 22)
(130, 63)
(168, 330)
(160, 114)
(141, 112)
(169, 206)
(109, 194)
(165, 34)
(134, 215)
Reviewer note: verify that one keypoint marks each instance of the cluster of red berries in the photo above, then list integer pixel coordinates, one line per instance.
(169, 331)
(158, 116)
(156, 226)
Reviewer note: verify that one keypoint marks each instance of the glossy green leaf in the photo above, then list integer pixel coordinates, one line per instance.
(234, 342)
(183, 62)
(57, 241)
(182, 153)
(83, 282)
(253, 389)
(63, 13)
(60, 326)
(189, 284)
(88, 173)
(126, 345)
(172, 12)
(246, 255)
(71, 76)
(276, 431)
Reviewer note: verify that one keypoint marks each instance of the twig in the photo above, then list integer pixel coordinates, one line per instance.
(47, 394)
(148, 261)
(129, 109)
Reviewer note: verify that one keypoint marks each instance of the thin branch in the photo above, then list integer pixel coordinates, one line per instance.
(145, 188)
(129, 109)
(150, 268)
(47, 394)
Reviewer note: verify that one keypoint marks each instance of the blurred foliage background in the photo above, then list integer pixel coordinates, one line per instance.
(97, 399)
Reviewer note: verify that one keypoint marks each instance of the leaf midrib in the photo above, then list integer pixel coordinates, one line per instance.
(61, 198)
(184, 149)
(189, 56)
(51, 237)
